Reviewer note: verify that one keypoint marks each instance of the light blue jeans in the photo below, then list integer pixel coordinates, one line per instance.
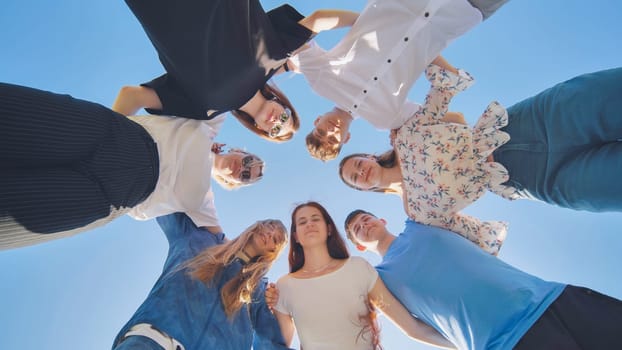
(566, 147)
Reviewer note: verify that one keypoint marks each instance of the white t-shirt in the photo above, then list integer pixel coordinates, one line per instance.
(328, 310)
(371, 70)
(186, 160)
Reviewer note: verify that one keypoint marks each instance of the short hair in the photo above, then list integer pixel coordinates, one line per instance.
(350, 217)
(319, 150)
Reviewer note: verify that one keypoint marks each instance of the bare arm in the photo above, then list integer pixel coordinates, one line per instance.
(132, 98)
(454, 117)
(286, 323)
(397, 313)
(321, 20)
(441, 62)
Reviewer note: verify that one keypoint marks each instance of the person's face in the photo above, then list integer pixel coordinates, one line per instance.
(274, 118)
(331, 130)
(241, 167)
(366, 229)
(362, 172)
(265, 242)
(311, 228)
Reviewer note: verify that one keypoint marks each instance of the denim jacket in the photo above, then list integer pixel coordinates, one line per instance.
(191, 311)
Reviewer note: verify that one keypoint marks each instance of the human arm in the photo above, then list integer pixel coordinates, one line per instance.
(445, 84)
(442, 62)
(132, 98)
(267, 330)
(328, 19)
(488, 235)
(286, 323)
(382, 298)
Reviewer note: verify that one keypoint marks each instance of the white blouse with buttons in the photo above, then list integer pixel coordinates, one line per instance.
(370, 71)
(186, 160)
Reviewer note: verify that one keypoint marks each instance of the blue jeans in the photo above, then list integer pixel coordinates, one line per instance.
(565, 146)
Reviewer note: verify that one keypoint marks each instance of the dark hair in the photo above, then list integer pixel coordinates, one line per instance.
(269, 91)
(387, 160)
(350, 217)
(336, 245)
(319, 150)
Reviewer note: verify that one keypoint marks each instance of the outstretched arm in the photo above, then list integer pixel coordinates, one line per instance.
(132, 98)
(382, 298)
(321, 20)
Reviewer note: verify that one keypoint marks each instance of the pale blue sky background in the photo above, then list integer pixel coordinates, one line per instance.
(76, 293)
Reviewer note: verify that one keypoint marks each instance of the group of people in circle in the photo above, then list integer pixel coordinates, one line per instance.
(104, 163)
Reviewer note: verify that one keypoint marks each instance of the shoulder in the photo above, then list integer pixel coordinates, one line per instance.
(359, 264)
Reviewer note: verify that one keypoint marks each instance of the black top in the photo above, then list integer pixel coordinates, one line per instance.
(215, 51)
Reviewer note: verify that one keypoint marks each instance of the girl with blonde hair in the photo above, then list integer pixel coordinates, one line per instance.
(210, 293)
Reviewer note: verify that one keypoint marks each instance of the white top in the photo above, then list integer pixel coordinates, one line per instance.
(327, 310)
(444, 165)
(186, 160)
(370, 71)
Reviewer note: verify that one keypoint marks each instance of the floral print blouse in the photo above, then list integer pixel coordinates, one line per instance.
(444, 165)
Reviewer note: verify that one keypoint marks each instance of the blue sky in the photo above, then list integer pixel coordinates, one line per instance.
(77, 293)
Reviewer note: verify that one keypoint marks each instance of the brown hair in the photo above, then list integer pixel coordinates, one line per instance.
(208, 264)
(387, 160)
(269, 91)
(336, 249)
(336, 245)
(319, 150)
(349, 218)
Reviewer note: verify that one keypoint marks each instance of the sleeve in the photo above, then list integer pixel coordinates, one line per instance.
(488, 235)
(367, 273)
(282, 305)
(292, 35)
(177, 226)
(267, 334)
(206, 214)
(444, 86)
(174, 101)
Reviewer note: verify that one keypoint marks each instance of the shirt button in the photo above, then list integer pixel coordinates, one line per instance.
(427, 14)
(406, 39)
(375, 78)
(389, 60)
(355, 106)
(364, 91)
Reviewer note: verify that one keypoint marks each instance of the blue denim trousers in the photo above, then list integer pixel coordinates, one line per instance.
(565, 146)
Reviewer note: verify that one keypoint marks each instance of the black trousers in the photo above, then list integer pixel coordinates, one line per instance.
(67, 163)
(579, 319)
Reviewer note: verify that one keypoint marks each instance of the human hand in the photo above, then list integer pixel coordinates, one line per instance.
(217, 147)
(272, 296)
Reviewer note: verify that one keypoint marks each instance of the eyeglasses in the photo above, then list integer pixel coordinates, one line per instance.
(247, 165)
(283, 118)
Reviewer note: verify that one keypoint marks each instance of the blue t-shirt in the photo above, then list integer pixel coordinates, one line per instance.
(475, 300)
(191, 311)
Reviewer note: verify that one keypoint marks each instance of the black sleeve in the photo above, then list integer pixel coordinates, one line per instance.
(292, 35)
(174, 101)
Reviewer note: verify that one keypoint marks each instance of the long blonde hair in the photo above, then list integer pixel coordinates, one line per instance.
(208, 264)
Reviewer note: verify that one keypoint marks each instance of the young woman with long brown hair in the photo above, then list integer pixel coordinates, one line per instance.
(210, 293)
(329, 295)
(218, 57)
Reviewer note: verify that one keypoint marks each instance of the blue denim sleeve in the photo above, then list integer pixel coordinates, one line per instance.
(179, 226)
(267, 334)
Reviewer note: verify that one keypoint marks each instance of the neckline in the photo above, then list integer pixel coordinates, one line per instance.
(346, 261)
